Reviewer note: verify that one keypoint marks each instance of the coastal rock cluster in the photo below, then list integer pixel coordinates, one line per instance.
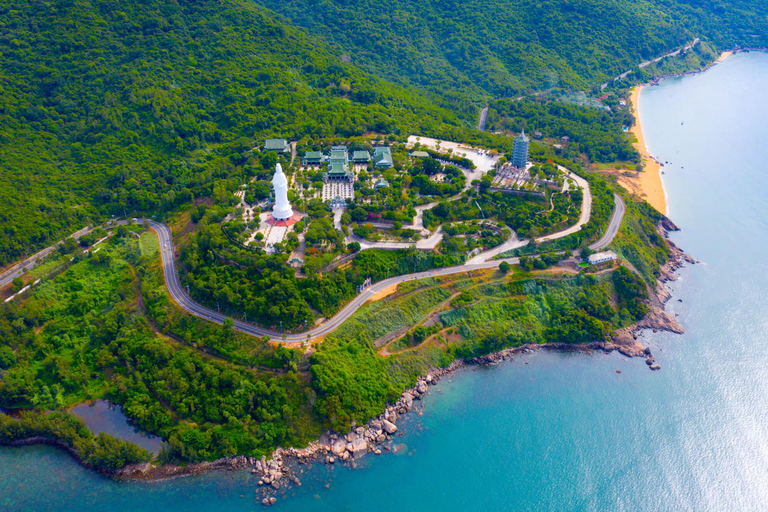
(657, 318)
(631, 348)
(335, 448)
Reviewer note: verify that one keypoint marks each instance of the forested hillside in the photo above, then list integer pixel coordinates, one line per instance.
(137, 106)
(505, 47)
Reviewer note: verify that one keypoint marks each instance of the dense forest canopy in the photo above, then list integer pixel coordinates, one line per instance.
(506, 47)
(108, 107)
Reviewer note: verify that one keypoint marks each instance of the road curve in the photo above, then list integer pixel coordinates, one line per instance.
(177, 293)
(185, 301)
(586, 207)
(613, 226)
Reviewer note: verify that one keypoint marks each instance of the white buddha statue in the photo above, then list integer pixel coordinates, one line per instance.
(282, 209)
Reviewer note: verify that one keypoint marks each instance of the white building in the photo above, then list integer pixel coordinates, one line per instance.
(602, 257)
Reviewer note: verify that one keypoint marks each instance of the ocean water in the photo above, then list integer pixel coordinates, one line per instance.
(562, 431)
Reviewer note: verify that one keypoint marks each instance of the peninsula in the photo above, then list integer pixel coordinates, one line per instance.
(400, 315)
(265, 228)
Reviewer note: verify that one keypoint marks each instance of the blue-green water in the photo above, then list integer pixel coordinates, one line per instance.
(103, 416)
(566, 432)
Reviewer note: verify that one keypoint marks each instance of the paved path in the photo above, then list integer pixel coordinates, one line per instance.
(586, 208)
(483, 119)
(424, 244)
(509, 245)
(512, 243)
(418, 221)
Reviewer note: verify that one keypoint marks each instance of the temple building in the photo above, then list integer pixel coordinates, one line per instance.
(313, 158)
(382, 157)
(361, 157)
(339, 155)
(279, 145)
(339, 171)
(520, 151)
(338, 181)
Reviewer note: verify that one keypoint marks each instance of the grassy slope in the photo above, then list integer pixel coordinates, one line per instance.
(638, 242)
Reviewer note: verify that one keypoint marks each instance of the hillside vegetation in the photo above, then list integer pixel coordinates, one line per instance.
(110, 107)
(507, 47)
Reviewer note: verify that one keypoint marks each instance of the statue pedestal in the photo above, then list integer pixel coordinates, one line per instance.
(272, 221)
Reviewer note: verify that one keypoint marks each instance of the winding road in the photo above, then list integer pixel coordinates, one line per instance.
(178, 294)
(613, 226)
(481, 262)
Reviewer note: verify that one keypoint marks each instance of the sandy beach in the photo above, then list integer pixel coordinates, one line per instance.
(723, 56)
(646, 184)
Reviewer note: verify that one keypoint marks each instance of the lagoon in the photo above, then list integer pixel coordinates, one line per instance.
(103, 416)
(565, 431)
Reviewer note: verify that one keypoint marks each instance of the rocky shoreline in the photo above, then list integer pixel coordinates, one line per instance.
(657, 318)
(378, 435)
(374, 437)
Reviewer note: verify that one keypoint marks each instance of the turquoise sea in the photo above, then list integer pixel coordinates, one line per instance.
(566, 432)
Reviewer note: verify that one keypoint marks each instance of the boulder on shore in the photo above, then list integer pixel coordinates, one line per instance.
(357, 447)
(339, 447)
(389, 427)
